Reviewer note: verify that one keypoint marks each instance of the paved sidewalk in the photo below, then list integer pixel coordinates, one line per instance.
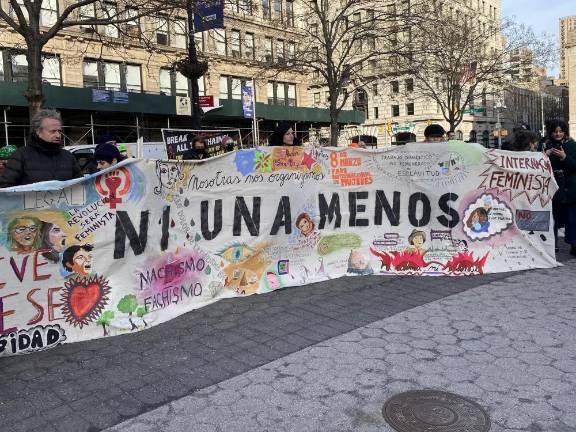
(510, 345)
(93, 385)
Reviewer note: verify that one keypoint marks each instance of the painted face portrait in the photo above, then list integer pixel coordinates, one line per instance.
(168, 174)
(24, 234)
(305, 224)
(82, 262)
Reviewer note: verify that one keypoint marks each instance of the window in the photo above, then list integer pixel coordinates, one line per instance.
(316, 98)
(375, 89)
(268, 49)
(201, 87)
(180, 34)
(112, 76)
(51, 70)
(290, 13)
(410, 109)
(249, 46)
(246, 6)
(133, 79)
(371, 43)
(278, 9)
(395, 110)
(231, 87)
(19, 67)
(375, 112)
(220, 41)
(1, 65)
(291, 94)
(22, 8)
(166, 82)
(133, 26)
(394, 86)
(270, 92)
(48, 13)
(90, 74)
(161, 30)
(109, 10)
(409, 84)
(280, 51)
(291, 52)
(199, 40)
(182, 88)
(87, 12)
(266, 9)
(235, 43)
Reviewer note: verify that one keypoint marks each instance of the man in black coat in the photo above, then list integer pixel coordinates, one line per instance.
(43, 158)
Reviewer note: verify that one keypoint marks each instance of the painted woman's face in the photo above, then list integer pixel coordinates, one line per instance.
(418, 240)
(24, 234)
(57, 238)
(475, 218)
(305, 226)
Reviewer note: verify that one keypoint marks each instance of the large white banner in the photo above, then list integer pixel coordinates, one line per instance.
(149, 240)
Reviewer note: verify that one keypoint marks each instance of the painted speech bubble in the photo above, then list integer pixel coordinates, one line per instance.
(486, 217)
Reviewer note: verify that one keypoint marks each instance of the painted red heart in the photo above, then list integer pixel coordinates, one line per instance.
(83, 298)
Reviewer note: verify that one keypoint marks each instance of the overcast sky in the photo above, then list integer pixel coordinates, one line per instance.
(541, 15)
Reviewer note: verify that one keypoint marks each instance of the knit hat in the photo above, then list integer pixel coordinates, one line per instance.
(6, 151)
(434, 131)
(107, 152)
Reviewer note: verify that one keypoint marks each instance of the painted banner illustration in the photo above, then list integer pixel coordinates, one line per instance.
(148, 240)
(178, 141)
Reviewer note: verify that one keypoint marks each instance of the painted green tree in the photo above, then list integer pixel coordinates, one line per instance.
(105, 320)
(140, 312)
(128, 304)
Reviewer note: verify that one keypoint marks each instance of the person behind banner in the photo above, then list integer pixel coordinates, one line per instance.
(561, 150)
(284, 136)
(107, 155)
(198, 150)
(434, 133)
(43, 159)
(524, 140)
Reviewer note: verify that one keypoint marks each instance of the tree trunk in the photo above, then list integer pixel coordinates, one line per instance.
(334, 129)
(105, 331)
(34, 92)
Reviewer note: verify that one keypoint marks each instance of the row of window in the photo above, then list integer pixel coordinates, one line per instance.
(242, 45)
(279, 93)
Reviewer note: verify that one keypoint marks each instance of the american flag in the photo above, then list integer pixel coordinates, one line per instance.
(468, 73)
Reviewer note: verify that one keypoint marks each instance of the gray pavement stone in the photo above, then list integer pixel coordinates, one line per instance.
(519, 365)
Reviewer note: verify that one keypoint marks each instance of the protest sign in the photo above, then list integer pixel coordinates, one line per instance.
(178, 141)
(146, 241)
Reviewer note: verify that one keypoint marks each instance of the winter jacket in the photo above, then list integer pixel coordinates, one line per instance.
(39, 161)
(565, 173)
(193, 154)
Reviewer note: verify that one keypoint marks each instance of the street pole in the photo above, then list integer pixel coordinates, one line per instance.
(542, 113)
(254, 121)
(92, 128)
(499, 129)
(193, 58)
(6, 126)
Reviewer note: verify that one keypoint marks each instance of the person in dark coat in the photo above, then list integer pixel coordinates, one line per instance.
(43, 159)
(524, 140)
(561, 150)
(284, 136)
(434, 133)
(198, 150)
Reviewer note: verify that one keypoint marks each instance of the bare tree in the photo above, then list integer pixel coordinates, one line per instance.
(37, 28)
(343, 44)
(454, 57)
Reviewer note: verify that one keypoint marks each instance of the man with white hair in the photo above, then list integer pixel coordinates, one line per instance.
(43, 158)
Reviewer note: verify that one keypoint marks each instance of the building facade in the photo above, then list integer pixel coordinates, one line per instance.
(135, 61)
(567, 40)
(395, 110)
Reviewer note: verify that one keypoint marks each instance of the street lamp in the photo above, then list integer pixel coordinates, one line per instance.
(499, 106)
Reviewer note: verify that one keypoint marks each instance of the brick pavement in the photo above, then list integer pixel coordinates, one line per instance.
(509, 345)
(93, 385)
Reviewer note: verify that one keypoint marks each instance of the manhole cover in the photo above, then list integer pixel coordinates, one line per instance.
(431, 410)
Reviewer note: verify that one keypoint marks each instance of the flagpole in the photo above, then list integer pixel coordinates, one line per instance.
(254, 121)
